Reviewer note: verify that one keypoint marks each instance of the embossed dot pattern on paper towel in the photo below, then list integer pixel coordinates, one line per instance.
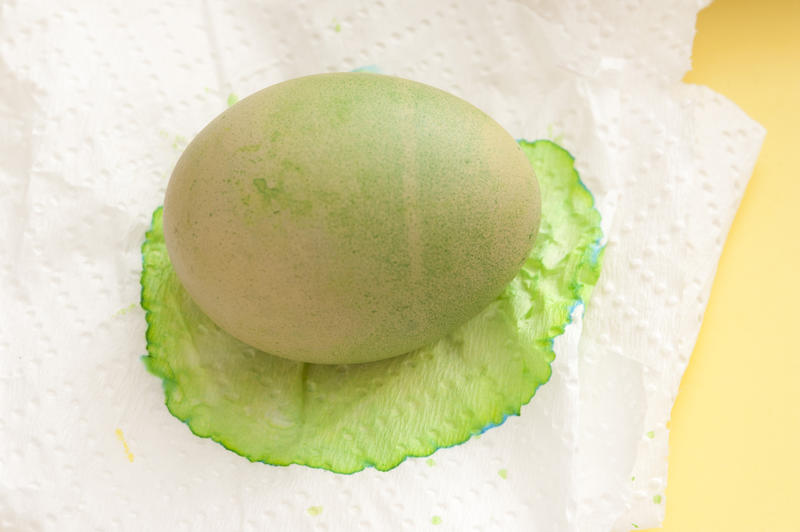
(98, 102)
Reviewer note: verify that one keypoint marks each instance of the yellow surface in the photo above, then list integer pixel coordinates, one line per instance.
(735, 429)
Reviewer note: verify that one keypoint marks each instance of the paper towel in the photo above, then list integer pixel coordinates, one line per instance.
(97, 100)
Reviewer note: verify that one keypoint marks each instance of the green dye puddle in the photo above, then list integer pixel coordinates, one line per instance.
(349, 417)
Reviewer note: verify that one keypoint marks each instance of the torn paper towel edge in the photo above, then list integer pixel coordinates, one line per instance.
(731, 162)
(712, 114)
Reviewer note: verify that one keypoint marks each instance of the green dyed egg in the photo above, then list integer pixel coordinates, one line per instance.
(352, 217)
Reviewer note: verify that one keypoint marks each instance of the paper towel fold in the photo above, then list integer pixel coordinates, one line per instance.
(98, 99)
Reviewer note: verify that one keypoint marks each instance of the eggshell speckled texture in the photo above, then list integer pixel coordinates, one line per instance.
(350, 217)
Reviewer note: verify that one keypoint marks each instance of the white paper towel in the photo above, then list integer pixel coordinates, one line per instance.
(97, 99)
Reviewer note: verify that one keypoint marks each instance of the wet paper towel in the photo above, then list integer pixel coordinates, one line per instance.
(97, 101)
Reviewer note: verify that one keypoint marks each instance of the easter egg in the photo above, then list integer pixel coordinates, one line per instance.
(350, 217)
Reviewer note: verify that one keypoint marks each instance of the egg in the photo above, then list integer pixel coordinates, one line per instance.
(349, 217)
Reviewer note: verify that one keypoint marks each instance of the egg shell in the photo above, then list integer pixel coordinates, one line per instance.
(349, 217)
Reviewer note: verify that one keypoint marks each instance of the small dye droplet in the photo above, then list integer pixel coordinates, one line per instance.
(503, 473)
(314, 511)
(121, 438)
(436, 520)
(126, 310)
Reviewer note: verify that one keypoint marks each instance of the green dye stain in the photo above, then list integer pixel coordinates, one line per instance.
(232, 99)
(633, 478)
(558, 139)
(503, 473)
(123, 311)
(336, 26)
(301, 418)
(179, 142)
(657, 499)
(436, 520)
(634, 525)
(248, 148)
(651, 434)
(261, 185)
(431, 462)
(314, 511)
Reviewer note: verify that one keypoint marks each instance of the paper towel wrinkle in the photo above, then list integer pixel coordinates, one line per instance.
(99, 99)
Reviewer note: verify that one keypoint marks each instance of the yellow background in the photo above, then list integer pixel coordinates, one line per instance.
(735, 429)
